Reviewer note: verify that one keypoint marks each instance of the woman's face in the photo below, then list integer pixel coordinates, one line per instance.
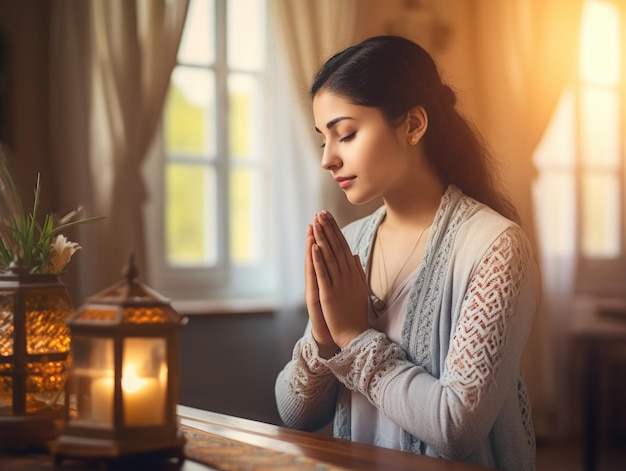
(365, 155)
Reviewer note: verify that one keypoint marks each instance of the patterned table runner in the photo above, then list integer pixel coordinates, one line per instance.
(230, 455)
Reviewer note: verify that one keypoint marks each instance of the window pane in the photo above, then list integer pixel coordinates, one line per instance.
(246, 201)
(244, 94)
(190, 212)
(190, 113)
(600, 43)
(246, 31)
(197, 44)
(600, 123)
(601, 218)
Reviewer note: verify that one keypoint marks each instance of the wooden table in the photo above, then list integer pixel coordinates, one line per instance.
(217, 442)
(339, 454)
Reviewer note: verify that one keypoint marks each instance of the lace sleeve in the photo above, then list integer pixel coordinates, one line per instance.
(365, 362)
(306, 389)
(478, 342)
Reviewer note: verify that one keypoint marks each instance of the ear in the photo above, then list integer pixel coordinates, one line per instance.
(416, 124)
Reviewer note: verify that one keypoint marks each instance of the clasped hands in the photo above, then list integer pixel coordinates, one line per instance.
(336, 290)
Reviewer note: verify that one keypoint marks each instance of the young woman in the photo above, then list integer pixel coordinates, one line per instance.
(418, 313)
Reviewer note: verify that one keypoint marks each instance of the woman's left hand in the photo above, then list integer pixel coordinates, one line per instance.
(341, 281)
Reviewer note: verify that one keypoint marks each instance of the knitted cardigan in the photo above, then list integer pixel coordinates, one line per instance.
(454, 385)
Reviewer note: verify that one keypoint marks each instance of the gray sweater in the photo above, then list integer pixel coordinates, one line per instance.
(454, 384)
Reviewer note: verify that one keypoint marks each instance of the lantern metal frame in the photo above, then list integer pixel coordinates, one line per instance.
(33, 357)
(124, 306)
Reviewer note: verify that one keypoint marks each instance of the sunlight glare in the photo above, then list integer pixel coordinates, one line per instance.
(600, 46)
(197, 44)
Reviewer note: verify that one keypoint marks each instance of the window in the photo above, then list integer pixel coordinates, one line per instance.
(214, 178)
(582, 158)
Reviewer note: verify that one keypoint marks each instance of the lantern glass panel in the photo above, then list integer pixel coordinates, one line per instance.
(6, 387)
(93, 379)
(145, 315)
(46, 335)
(6, 325)
(105, 314)
(6, 351)
(46, 331)
(144, 381)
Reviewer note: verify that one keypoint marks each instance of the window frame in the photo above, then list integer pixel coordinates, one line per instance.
(226, 279)
(597, 275)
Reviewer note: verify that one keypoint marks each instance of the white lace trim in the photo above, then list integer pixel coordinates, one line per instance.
(363, 364)
(311, 375)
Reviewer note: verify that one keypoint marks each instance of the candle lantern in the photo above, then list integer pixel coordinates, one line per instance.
(123, 386)
(34, 346)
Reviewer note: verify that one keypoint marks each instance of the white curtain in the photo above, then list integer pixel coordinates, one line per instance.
(114, 58)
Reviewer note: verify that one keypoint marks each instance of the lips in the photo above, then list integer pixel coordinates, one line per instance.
(344, 182)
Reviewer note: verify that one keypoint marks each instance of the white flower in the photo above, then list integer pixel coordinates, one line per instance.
(61, 251)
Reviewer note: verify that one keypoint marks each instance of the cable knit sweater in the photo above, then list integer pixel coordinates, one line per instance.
(454, 384)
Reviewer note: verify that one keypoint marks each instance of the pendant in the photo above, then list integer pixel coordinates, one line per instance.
(377, 303)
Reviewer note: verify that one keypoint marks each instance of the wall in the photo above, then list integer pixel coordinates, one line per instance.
(24, 28)
(229, 362)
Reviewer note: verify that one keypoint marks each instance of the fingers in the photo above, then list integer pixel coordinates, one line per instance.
(319, 329)
(325, 260)
(309, 273)
(340, 284)
(335, 252)
(310, 279)
(335, 237)
(359, 268)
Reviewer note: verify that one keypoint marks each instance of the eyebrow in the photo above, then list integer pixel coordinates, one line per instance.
(332, 122)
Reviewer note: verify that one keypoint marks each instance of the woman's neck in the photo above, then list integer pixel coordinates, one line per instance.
(415, 206)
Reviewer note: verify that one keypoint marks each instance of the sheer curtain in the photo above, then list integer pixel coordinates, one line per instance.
(114, 59)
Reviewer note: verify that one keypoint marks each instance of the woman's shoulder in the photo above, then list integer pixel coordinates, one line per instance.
(477, 227)
(471, 215)
(486, 233)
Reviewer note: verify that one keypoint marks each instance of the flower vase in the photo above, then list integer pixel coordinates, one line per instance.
(34, 349)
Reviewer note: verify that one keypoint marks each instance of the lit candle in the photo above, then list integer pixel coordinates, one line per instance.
(142, 398)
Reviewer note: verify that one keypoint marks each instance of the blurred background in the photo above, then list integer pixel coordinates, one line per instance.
(188, 125)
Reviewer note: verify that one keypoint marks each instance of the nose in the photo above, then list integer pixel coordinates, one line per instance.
(330, 158)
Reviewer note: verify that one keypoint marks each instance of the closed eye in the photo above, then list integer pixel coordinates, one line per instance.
(343, 139)
(348, 137)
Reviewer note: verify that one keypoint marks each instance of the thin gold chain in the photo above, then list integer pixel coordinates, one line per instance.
(388, 287)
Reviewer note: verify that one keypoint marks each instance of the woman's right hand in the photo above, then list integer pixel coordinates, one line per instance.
(319, 329)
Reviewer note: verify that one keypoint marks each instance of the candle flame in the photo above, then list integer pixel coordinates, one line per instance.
(130, 381)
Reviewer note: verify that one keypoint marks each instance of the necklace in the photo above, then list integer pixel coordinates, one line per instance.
(381, 304)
